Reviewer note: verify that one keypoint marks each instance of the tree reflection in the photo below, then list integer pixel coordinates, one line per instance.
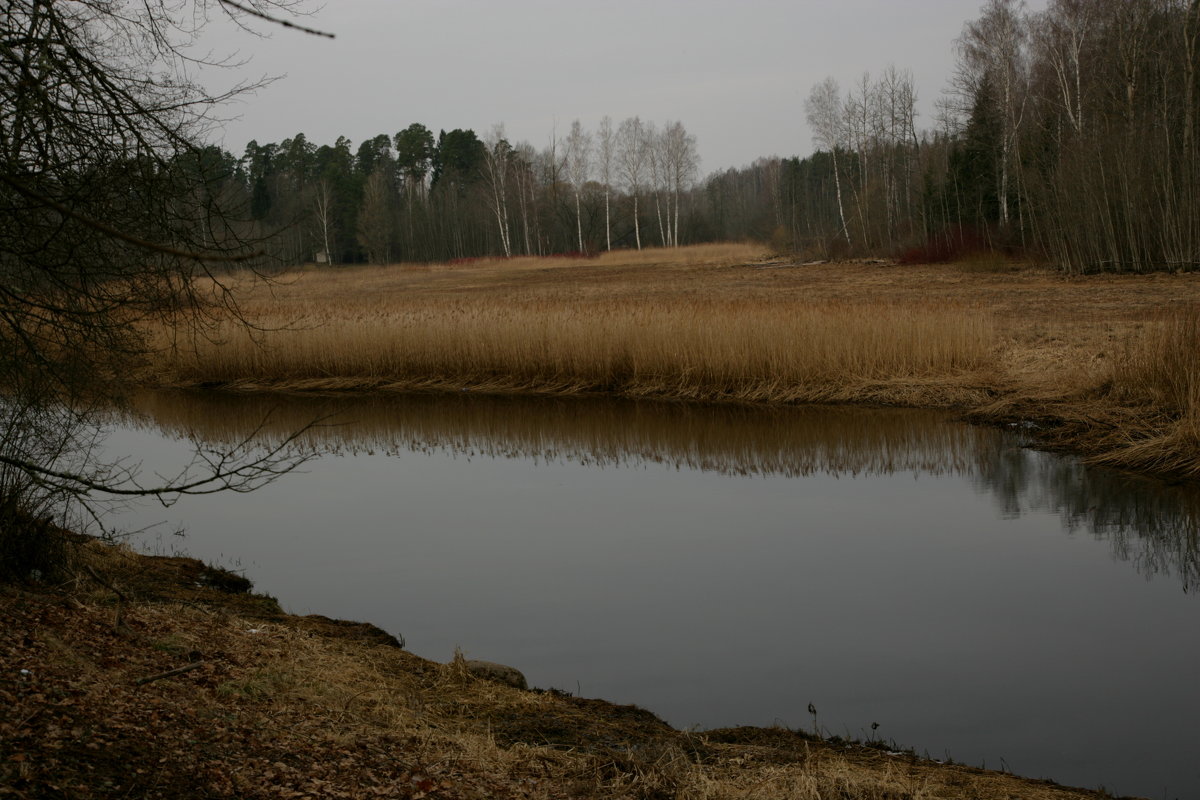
(1149, 524)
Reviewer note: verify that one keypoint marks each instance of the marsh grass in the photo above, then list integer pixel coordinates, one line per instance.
(1164, 362)
(1160, 371)
(691, 349)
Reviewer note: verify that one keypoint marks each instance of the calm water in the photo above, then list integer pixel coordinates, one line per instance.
(727, 566)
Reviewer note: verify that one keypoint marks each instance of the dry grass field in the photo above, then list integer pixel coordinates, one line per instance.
(1104, 364)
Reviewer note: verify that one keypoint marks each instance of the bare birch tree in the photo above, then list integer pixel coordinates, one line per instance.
(497, 159)
(525, 182)
(1060, 34)
(896, 107)
(993, 48)
(632, 157)
(323, 210)
(656, 160)
(682, 163)
(607, 141)
(826, 116)
(579, 164)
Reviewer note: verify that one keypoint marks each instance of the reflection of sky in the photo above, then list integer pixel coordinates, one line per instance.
(718, 600)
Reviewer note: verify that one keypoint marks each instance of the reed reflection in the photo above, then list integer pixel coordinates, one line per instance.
(1147, 523)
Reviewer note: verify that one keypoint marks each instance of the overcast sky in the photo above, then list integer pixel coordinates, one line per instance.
(735, 73)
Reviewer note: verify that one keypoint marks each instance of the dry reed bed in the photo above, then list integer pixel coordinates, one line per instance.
(1163, 362)
(1157, 378)
(775, 352)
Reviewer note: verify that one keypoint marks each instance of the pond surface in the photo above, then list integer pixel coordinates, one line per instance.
(728, 566)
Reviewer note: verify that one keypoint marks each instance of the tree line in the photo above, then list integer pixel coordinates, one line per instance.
(411, 196)
(1069, 133)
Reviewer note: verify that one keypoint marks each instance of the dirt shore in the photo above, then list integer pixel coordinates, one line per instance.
(153, 677)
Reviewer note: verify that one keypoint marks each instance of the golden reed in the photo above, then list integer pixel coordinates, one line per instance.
(688, 348)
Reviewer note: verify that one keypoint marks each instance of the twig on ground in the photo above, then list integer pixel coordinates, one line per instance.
(170, 673)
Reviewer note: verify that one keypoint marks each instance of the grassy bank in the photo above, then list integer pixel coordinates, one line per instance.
(1106, 365)
(151, 677)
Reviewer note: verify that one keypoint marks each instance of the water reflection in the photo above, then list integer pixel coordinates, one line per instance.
(1147, 523)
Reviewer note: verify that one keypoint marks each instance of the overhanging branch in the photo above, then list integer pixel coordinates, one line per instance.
(109, 230)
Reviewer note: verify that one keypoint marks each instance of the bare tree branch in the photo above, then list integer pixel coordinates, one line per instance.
(275, 20)
(109, 230)
(114, 208)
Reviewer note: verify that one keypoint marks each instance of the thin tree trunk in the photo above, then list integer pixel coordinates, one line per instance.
(675, 229)
(837, 181)
(578, 222)
(637, 230)
(607, 221)
(662, 234)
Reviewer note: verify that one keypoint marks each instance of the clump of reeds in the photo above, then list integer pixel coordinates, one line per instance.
(745, 350)
(1164, 363)
(1161, 370)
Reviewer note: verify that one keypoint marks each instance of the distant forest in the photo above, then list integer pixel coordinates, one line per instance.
(1067, 135)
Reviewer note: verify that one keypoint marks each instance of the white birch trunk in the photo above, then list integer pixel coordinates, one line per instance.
(607, 222)
(662, 233)
(675, 229)
(578, 222)
(837, 182)
(637, 230)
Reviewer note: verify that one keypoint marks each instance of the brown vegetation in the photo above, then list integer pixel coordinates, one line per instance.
(1100, 363)
(530, 331)
(1159, 373)
(134, 679)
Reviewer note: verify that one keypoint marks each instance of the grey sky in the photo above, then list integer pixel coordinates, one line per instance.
(735, 73)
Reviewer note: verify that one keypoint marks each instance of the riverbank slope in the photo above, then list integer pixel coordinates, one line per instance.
(141, 677)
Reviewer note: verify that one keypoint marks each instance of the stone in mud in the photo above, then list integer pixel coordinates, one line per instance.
(500, 673)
